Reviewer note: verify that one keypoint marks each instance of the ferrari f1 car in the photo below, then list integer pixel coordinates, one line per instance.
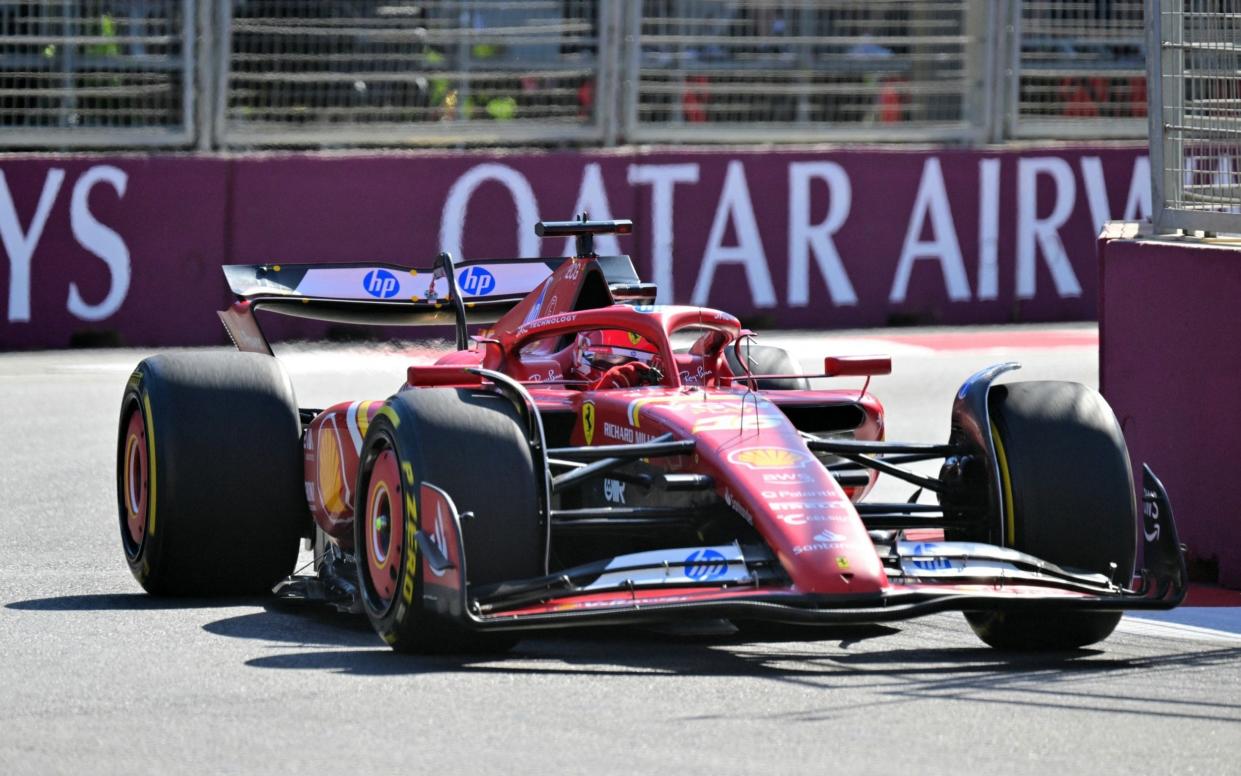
(588, 457)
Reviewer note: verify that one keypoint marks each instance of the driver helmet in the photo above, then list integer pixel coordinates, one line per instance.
(595, 352)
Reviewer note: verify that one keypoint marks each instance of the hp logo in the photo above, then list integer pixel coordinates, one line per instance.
(476, 281)
(929, 563)
(381, 284)
(705, 565)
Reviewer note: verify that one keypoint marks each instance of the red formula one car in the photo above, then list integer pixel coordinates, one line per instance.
(592, 458)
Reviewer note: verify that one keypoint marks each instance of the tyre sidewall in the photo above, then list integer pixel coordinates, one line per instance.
(142, 556)
(403, 622)
(226, 503)
(428, 429)
(1075, 504)
(1066, 476)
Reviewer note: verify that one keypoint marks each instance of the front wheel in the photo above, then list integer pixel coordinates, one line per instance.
(471, 445)
(1068, 495)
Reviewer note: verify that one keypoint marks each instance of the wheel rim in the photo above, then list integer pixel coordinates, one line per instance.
(385, 527)
(134, 483)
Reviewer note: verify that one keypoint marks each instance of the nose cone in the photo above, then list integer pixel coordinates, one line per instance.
(803, 515)
(765, 472)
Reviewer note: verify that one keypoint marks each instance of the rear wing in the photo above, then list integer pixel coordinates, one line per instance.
(446, 293)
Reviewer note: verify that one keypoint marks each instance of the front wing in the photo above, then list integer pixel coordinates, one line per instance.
(735, 582)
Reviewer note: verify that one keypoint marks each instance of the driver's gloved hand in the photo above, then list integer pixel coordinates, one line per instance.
(628, 376)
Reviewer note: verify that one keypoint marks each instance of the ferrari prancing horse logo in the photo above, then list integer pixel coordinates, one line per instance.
(588, 421)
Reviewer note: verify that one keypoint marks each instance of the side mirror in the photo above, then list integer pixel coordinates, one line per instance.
(857, 366)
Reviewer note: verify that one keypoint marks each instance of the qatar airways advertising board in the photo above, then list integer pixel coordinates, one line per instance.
(132, 245)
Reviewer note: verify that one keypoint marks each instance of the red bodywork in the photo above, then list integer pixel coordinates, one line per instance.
(662, 384)
(757, 458)
(745, 490)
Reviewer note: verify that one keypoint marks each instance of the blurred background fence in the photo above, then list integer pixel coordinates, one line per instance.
(396, 73)
(348, 73)
(97, 73)
(1079, 69)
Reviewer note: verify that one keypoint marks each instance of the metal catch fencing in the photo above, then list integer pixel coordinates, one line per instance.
(346, 73)
(756, 70)
(96, 73)
(377, 73)
(1195, 127)
(1079, 69)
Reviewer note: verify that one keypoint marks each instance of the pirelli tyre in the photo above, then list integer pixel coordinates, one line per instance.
(1068, 491)
(209, 474)
(768, 360)
(471, 445)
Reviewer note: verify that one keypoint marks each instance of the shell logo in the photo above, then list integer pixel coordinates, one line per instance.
(332, 488)
(769, 458)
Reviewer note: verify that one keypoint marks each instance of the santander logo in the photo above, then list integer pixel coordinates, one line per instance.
(822, 541)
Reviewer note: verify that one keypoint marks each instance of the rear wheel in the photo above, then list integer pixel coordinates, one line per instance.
(209, 474)
(471, 445)
(1068, 490)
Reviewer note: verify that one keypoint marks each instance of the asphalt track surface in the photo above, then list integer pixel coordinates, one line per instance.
(96, 677)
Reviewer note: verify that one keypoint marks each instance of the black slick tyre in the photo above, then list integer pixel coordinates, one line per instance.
(768, 360)
(471, 445)
(1067, 484)
(209, 474)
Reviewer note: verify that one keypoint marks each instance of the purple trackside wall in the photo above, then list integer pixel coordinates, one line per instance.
(791, 238)
(1170, 364)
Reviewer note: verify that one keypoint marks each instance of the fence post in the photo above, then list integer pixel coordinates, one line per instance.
(984, 23)
(1172, 93)
(609, 61)
(630, 77)
(1011, 61)
(223, 34)
(1154, 108)
(202, 47)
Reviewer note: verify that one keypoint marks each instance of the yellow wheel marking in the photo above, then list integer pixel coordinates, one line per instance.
(131, 498)
(146, 412)
(390, 414)
(411, 554)
(377, 491)
(1006, 485)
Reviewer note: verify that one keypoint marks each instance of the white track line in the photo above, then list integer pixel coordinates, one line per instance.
(1162, 629)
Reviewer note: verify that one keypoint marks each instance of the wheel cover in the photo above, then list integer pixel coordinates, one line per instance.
(134, 484)
(385, 527)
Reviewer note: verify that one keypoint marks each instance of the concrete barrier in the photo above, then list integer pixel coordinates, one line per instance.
(1170, 364)
(793, 238)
